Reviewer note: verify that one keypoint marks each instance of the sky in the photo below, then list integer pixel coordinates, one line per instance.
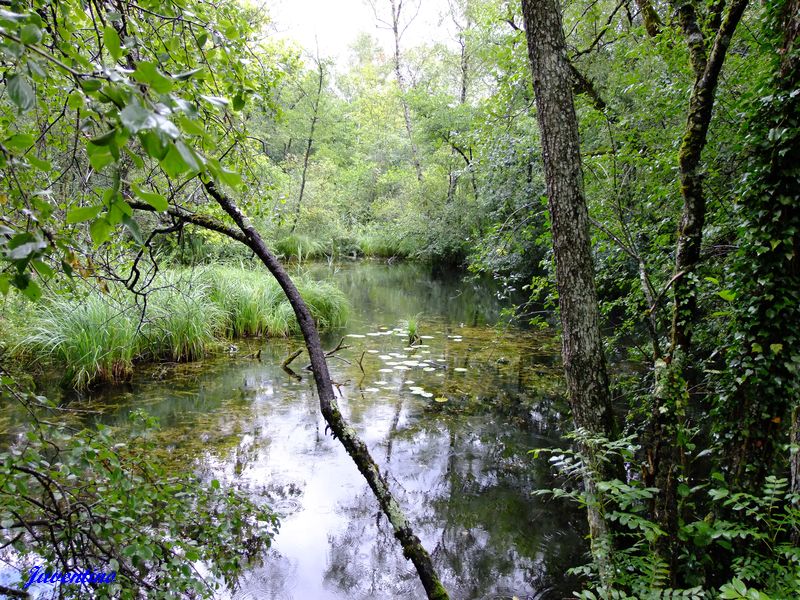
(335, 24)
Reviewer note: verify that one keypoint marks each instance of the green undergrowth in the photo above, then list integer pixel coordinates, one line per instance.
(98, 336)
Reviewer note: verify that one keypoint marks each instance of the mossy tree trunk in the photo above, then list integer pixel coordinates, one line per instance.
(674, 375)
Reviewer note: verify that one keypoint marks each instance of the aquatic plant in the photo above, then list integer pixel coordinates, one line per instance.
(300, 247)
(93, 338)
(183, 322)
(247, 299)
(412, 326)
(98, 336)
(327, 303)
(383, 245)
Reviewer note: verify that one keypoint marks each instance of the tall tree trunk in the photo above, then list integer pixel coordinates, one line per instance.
(582, 349)
(673, 372)
(314, 117)
(397, 7)
(355, 447)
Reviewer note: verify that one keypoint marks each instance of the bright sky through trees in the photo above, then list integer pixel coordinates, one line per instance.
(336, 24)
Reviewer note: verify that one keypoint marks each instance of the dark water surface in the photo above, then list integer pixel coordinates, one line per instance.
(451, 421)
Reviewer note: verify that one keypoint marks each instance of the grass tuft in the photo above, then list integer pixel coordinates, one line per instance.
(94, 339)
(383, 245)
(300, 247)
(98, 337)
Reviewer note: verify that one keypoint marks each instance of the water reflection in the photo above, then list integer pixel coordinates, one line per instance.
(450, 420)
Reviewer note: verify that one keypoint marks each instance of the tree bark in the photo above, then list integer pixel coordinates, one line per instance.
(462, 99)
(355, 447)
(652, 22)
(582, 350)
(701, 104)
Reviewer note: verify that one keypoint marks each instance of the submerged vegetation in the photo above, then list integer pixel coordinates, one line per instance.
(97, 337)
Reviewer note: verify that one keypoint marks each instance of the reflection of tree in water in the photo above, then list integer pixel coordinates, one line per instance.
(398, 291)
(364, 559)
(271, 581)
(469, 481)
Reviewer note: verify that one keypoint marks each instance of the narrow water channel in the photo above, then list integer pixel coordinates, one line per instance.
(451, 419)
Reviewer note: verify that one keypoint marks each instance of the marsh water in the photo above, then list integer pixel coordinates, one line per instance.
(450, 419)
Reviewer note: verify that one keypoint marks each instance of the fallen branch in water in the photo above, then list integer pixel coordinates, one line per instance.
(340, 429)
(288, 360)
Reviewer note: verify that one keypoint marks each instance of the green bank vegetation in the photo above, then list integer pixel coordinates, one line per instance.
(97, 337)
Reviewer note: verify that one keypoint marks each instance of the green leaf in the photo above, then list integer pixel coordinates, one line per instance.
(20, 92)
(217, 101)
(8, 15)
(84, 213)
(99, 156)
(193, 127)
(148, 73)
(26, 249)
(173, 163)
(32, 290)
(136, 117)
(189, 156)
(43, 268)
(154, 144)
(91, 85)
(727, 295)
(133, 227)
(100, 230)
(19, 141)
(192, 555)
(230, 178)
(157, 201)
(112, 42)
(75, 100)
(42, 165)
(106, 139)
(30, 34)
(186, 74)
